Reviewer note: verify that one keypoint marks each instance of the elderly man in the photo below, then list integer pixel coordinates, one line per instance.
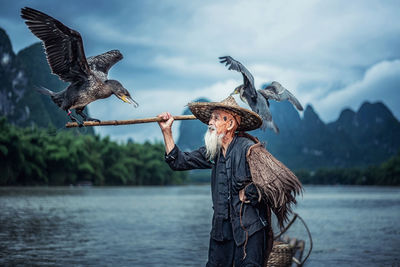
(240, 225)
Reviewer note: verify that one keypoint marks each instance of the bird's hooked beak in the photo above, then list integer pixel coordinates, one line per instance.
(235, 92)
(129, 100)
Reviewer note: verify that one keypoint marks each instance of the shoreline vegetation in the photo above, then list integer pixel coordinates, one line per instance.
(36, 156)
(387, 173)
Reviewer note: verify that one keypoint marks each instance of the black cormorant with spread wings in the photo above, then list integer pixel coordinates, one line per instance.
(258, 99)
(66, 57)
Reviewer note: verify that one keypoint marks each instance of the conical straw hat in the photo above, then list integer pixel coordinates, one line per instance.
(203, 110)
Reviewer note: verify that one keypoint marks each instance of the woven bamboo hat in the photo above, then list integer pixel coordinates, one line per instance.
(203, 110)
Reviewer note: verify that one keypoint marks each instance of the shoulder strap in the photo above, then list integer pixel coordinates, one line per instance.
(244, 134)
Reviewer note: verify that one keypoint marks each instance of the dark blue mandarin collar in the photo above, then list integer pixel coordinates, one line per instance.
(231, 145)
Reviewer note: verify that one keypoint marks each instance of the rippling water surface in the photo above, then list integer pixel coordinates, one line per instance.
(169, 226)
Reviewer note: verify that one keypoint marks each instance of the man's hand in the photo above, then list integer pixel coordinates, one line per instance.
(167, 123)
(165, 126)
(242, 196)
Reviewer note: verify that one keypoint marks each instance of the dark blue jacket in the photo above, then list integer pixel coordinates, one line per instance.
(253, 214)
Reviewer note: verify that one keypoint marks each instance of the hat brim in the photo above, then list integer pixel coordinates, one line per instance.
(203, 110)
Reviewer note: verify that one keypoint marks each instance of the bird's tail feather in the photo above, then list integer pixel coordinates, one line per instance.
(270, 125)
(57, 98)
(44, 90)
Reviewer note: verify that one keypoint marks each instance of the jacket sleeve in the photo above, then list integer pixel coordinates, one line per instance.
(181, 161)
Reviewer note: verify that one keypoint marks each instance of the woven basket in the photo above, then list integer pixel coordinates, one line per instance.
(281, 255)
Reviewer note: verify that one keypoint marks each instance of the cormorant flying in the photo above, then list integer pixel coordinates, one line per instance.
(258, 99)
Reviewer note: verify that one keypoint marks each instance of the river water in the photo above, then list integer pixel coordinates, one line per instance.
(169, 226)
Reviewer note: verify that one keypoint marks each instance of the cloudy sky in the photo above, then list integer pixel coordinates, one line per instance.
(330, 54)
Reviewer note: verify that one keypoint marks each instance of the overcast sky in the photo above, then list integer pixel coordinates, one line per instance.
(330, 54)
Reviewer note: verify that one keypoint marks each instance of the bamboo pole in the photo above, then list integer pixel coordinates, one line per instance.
(125, 122)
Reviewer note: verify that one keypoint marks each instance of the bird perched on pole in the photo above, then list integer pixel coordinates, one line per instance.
(258, 100)
(66, 57)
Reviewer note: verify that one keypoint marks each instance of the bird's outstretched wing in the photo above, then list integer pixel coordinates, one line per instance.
(292, 99)
(102, 63)
(64, 46)
(248, 79)
(277, 92)
(269, 94)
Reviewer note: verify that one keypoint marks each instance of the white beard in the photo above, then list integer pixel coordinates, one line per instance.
(213, 142)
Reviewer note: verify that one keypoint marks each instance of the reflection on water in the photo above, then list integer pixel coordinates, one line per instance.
(169, 226)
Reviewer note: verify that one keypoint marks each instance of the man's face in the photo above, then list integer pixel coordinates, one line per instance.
(221, 120)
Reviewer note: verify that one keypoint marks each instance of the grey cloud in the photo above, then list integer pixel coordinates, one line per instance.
(380, 83)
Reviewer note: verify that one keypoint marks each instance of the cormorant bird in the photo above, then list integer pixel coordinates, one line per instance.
(66, 57)
(249, 95)
(258, 99)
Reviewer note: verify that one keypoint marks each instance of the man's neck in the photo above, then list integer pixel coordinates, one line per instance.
(226, 140)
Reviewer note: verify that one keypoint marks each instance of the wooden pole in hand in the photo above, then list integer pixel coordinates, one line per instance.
(125, 122)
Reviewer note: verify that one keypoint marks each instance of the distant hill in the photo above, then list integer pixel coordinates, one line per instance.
(19, 102)
(368, 136)
(191, 131)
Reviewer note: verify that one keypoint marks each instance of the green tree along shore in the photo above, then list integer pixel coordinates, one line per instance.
(387, 173)
(34, 156)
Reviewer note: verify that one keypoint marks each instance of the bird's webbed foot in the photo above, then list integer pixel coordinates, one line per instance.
(84, 116)
(92, 119)
(74, 119)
